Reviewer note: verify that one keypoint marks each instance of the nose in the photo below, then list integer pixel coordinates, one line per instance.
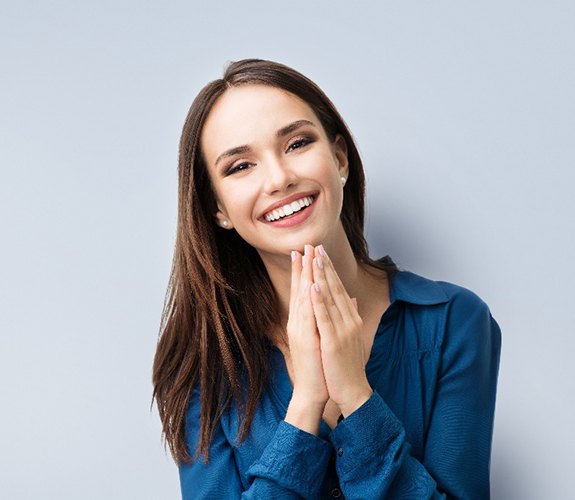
(278, 175)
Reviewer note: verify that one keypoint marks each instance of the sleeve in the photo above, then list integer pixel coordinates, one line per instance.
(291, 466)
(373, 458)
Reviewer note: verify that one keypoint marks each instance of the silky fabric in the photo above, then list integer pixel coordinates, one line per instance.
(425, 432)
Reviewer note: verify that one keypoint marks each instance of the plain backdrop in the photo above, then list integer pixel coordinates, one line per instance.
(464, 114)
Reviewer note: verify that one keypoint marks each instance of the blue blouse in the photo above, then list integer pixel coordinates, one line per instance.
(425, 432)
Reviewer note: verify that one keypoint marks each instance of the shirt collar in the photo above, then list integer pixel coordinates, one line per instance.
(409, 287)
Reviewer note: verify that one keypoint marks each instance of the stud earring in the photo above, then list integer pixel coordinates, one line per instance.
(343, 180)
(224, 223)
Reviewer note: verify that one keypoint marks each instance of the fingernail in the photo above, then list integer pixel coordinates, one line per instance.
(293, 255)
(303, 259)
(319, 262)
(316, 287)
(322, 251)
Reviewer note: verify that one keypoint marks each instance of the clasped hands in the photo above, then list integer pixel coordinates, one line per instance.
(326, 350)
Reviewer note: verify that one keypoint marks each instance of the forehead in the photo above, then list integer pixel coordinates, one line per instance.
(247, 114)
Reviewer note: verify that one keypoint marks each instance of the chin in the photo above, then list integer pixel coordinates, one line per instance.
(299, 244)
(315, 234)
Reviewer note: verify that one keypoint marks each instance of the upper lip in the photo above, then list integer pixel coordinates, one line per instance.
(288, 200)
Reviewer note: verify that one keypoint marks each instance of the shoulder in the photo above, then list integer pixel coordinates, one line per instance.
(441, 311)
(413, 289)
(460, 327)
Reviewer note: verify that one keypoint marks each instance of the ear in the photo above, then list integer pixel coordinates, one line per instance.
(340, 151)
(222, 218)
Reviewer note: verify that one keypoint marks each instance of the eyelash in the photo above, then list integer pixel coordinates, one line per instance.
(300, 142)
(232, 169)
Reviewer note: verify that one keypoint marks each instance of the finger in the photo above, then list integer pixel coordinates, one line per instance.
(354, 302)
(305, 282)
(328, 300)
(307, 273)
(324, 322)
(338, 292)
(295, 275)
(301, 321)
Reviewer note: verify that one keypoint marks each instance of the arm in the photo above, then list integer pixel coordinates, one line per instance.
(295, 461)
(373, 456)
(291, 466)
(458, 446)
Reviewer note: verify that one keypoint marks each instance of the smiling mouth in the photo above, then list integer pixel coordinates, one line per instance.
(289, 209)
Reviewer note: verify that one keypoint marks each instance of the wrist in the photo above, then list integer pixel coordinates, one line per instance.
(355, 401)
(304, 414)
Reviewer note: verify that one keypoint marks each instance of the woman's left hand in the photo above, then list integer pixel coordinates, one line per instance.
(340, 329)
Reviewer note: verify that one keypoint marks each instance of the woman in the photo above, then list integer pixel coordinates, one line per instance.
(290, 364)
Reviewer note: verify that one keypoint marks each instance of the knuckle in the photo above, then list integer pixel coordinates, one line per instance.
(324, 316)
(338, 288)
(332, 349)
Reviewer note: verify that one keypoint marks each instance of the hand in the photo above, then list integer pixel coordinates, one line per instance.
(340, 331)
(310, 392)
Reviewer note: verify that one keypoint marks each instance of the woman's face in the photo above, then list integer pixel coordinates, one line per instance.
(275, 173)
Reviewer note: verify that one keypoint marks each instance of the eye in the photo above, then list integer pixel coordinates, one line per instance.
(299, 143)
(237, 167)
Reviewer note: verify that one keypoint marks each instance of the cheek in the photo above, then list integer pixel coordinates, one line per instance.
(321, 167)
(238, 203)
(331, 174)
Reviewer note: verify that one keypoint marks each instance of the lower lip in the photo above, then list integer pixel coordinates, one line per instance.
(295, 219)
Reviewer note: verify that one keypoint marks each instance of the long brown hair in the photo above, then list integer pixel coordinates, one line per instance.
(211, 333)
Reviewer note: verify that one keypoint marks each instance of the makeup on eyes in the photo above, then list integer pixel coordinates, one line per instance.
(300, 142)
(294, 145)
(236, 167)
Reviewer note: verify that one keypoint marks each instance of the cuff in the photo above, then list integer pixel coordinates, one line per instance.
(294, 459)
(367, 432)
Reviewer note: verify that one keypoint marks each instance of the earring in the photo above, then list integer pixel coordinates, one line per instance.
(343, 180)
(224, 223)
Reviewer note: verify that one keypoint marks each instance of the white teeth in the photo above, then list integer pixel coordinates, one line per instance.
(289, 209)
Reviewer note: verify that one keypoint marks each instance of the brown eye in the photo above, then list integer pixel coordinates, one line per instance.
(238, 167)
(299, 143)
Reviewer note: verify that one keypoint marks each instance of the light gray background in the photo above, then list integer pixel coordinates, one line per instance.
(464, 113)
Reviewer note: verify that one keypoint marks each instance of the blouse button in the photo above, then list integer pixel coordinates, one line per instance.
(339, 452)
(336, 493)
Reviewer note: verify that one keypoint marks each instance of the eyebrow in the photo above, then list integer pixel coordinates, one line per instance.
(240, 150)
(282, 132)
(292, 127)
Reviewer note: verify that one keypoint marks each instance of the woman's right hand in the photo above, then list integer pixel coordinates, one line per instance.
(310, 393)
